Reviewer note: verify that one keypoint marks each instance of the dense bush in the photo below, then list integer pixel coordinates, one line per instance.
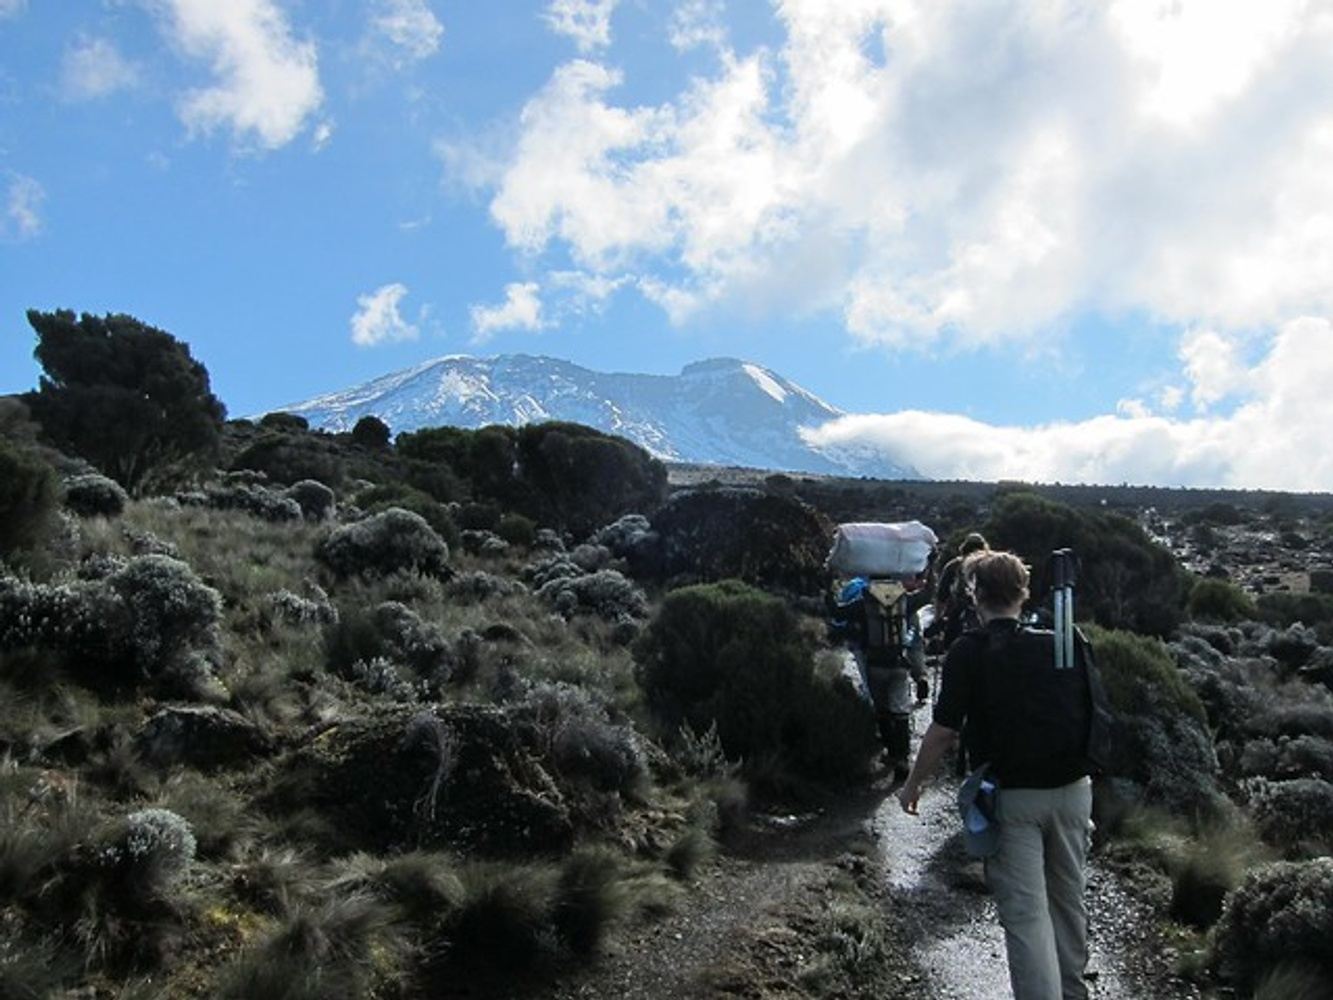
(316, 500)
(171, 612)
(383, 497)
(516, 530)
(1315, 610)
(1126, 580)
(252, 499)
(29, 496)
(392, 540)
(1161, 741)
(580, 478)
(1295, 814)
(1220, 601)
(390, 631)
(287, 457)
(606, 593)
(728, 655)
(1282, 913)
(574, 732)
(371, 432)
(150, 618)
(765, 540)
(94, 495)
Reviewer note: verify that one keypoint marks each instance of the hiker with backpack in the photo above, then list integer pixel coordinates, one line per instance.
(1036, 715)
(955, 610)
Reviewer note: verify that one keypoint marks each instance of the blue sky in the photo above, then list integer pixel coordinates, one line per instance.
(1050, 240)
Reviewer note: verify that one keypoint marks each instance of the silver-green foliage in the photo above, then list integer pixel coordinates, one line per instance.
(394, 539)
(1281, 913)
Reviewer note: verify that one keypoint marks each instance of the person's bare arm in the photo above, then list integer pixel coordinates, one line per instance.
(937, 741)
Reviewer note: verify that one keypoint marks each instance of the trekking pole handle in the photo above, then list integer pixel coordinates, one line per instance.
(1064, 569)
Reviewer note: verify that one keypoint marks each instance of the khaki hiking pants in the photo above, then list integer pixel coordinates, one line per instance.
(1037, 879)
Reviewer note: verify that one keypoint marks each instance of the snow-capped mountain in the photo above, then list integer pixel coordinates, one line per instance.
(721, 411)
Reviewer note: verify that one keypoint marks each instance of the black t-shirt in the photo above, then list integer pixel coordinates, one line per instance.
(1023, 716)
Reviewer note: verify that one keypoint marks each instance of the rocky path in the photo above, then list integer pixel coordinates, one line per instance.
(749, 927)
(956, 937)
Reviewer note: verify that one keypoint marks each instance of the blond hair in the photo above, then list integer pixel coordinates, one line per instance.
(1000, 579)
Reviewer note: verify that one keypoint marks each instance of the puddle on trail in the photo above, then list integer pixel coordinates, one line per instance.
(959, 947)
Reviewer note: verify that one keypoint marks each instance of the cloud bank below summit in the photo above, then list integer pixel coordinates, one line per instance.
(1275, 437)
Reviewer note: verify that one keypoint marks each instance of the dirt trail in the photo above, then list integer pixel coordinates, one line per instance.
(741, 932)
(957, 940)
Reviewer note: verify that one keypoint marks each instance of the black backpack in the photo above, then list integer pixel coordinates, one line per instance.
(1045, 727)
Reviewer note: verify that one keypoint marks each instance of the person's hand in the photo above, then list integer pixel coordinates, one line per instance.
(909, 795)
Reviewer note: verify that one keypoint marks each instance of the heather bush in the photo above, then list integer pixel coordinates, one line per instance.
(480, 542)
(257, 501)
(29, 498)
(171, 612)
(288, 456)
(516, 530)
(1161, 742)
(1282, 913)
(728, 655)
(390, 495)
(1293, 646)
(1294, 815)
(623, 535)
(95, 495)
(556, 566)
(478, 585)
(606, 593)
(388, 634)
(575, 733)
(1220, 601)
(1315, 610)
(316, 500)
(1127, 581)
(294, 609)
(394, 539)
(382, 677)
(157, 845)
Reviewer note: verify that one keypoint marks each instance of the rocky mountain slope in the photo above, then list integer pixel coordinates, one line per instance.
(722, 411)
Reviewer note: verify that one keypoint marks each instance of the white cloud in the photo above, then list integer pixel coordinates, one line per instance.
(521, 310)
(9, 8)
(23, 204)
(409, 25)
(697, 22)
(322, 135)
(1213, 366)
(950, 174)
(378, 320)
(94, 67)
(267, 83)
(1277, 438)
(588, 22)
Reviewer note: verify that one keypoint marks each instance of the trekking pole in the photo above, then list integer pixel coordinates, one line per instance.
(1064, 568)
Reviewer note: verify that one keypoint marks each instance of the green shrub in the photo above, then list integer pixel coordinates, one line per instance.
(317, 501)
(579, 478)
(1314, 610)
(1220, 601)
(1126, 580)
(1139, 674)
(392, 540)
(171, 612)
(1296, 815)
(281, 421)
(1282, 913)
(287, 457)
(381, 498)
(29, 498)
(371, 432)
(728, 655)
(517, 530)
(95, 495)
(1161, 740)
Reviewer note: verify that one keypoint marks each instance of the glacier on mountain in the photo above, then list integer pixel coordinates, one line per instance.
(721, 411)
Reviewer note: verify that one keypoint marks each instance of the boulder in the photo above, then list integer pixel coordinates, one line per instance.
(202, 736)
(448, 776)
